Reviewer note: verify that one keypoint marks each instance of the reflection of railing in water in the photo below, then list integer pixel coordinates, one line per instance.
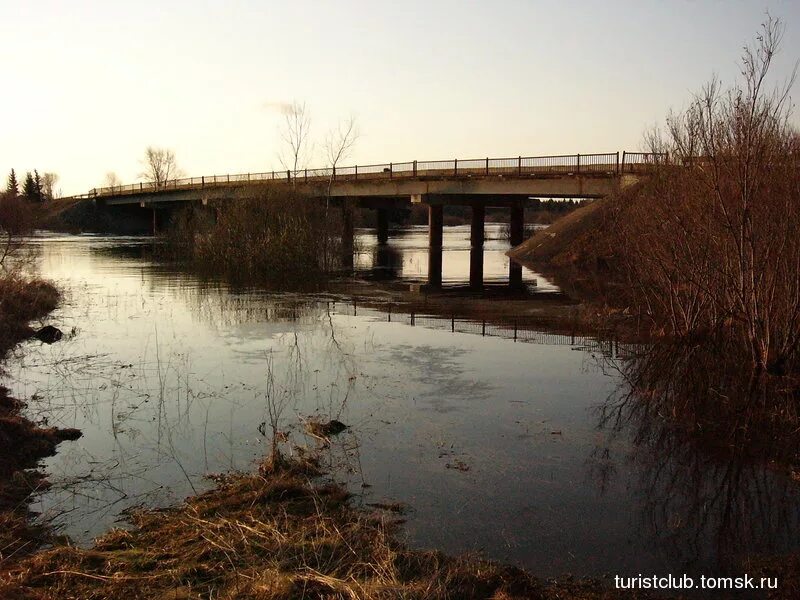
(519, 329)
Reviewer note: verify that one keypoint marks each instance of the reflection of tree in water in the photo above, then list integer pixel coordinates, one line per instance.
(219, 306)
(709, 442)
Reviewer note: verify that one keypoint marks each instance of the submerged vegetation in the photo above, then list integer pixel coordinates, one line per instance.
(22, 297)
(23, 443)
(276, 236)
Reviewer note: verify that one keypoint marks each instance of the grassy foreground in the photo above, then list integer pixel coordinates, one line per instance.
(283, 532)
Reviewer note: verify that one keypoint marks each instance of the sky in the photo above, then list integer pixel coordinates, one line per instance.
(87, 86)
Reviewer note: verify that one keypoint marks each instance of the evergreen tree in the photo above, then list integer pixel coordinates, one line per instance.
(29, 187)
(13, 185)
(37, 181)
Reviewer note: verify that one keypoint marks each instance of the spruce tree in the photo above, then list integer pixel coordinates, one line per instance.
(37, 181)
(13, 185)
(29, 187)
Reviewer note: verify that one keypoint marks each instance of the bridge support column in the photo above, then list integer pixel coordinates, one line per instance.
(517, 228)
(476, 247)
(383, 225)
(435, 222)
(347, 235)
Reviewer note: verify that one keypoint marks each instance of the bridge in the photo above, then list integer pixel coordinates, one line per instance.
(479, 183)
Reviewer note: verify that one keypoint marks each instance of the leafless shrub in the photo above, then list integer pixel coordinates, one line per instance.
(710, 241)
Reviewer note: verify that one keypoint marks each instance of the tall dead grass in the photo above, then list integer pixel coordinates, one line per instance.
(277, 236)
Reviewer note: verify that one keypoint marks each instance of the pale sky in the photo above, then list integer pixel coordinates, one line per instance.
(87, 86)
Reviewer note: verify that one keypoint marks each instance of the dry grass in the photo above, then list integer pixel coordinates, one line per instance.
(22, 299)
(277, 534)
(277, 236)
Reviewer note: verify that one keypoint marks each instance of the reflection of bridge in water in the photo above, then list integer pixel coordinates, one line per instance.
(511, 183)
(518, 329)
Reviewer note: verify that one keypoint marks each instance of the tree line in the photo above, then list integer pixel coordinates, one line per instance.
(35, 187)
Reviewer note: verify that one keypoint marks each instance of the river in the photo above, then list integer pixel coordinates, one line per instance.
(495, 444)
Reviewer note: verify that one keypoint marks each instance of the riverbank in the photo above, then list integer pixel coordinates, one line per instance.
(22, 299)
(283, 532)
(577, 254)
(23, 443)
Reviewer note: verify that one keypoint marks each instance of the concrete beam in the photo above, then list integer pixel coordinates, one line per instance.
(490, 191)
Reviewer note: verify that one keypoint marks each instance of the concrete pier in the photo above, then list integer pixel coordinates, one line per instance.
(435, 222)
(382, 225)
(347, 235)
(476, 247)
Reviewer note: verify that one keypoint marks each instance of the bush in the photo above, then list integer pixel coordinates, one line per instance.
(277, 236)
(710, 242)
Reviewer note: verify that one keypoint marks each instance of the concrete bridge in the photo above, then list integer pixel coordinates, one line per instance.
(479, 183)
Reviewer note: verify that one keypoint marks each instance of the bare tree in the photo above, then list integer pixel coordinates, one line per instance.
(159, 166)
(295, 133)
(339, 143)
(112, 180)
(16, 221)
(49, 191)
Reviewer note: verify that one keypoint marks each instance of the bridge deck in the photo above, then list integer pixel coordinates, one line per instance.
(605, 165)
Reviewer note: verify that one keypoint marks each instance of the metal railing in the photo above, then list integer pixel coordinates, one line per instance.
(639, 162)
(605, 164)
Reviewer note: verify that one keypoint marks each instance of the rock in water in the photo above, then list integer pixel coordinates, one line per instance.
(335, 427)
(48, 334)
(323, 430)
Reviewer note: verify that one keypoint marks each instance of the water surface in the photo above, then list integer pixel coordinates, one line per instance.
(495, 444)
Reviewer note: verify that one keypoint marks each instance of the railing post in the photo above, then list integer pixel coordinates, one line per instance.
(356, 171)
(141, 186)
(415, 168)
(203, 181)
(391, 170)
(229, 177)
(334, 172)
(519, 166)
(288, 175)
(487, 165)
(305, 171)
(455, 168)
(624, 153)
(578, 169)
(248, 177)
(617, 162)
